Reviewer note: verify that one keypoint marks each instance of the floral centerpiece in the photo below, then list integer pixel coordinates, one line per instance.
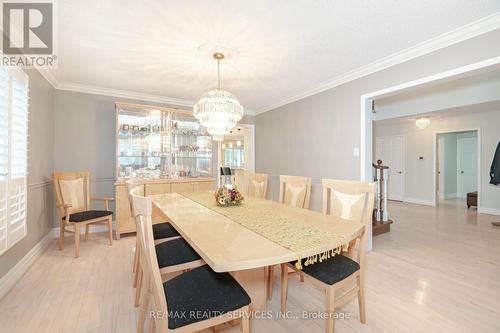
(228, 197)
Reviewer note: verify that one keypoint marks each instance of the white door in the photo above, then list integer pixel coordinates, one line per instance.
(466, 166)
(391, 151)
(440, 167)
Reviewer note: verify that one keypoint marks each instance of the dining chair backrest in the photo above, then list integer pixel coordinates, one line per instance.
(142, 207)
(348, 200)
(130, 185)
(257, 185)
(72, 188)
(226, 171)
(240, 180)
(295, 191)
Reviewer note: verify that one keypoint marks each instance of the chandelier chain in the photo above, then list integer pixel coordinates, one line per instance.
(218, 73)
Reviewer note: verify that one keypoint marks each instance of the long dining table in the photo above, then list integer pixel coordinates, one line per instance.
(228, 246)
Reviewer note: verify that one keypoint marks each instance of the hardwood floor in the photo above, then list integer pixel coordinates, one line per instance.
(438, 270)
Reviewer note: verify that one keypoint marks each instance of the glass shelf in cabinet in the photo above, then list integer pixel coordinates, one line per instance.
(177, 156)
(142, 156)
(127, 135)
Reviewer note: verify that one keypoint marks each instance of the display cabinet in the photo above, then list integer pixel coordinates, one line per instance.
(165, 148)
(156, 143)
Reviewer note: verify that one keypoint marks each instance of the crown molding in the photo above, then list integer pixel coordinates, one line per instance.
(474, 29)
(48, 76)
(128, 94)
(77, 87)
(89, 89)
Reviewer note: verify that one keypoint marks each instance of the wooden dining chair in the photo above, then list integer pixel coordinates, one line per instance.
(174, 255)
(348, 200)
(72, 190)
(190, 302)
(129, 186)
(161, 231)
(257, 185)
(295, 191)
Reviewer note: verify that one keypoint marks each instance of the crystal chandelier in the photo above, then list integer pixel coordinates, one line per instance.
(218, 110)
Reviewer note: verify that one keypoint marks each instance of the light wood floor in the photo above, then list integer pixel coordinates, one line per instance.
(437, 271)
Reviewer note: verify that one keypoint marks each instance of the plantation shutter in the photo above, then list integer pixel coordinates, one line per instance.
(18, 158)
(13, 156)
(4, 155)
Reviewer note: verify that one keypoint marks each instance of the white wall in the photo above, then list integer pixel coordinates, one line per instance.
(420, 173)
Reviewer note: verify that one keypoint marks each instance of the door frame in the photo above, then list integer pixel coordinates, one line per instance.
(440, 176)
(403, 162)
(251, 146)
(478, 165)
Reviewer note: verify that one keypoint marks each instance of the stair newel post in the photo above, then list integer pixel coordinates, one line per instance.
(381, 222)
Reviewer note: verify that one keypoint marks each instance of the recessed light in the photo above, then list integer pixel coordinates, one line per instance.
(422, 122)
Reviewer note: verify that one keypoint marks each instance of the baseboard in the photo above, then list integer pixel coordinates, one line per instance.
(15, 273)
(420, 201)
(450, 196)
(490, 211)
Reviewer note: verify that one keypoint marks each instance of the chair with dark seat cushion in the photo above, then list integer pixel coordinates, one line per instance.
(332, 270)
(175, 252)
(164, 230)
(197, 298)
(175, 257)
(348, 201)
(294, 191)
(201, 290)
(88, 215)
(72, 190)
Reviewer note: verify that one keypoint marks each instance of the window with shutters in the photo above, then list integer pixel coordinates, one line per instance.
(13, 156)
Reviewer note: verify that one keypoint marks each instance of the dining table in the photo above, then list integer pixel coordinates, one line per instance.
(243, 249)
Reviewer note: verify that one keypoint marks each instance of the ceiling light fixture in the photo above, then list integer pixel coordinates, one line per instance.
(218, 110)
(422, 122)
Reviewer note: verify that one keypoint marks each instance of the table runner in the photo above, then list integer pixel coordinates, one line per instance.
(291, 233)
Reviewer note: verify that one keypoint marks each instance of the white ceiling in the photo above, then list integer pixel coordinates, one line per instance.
(280, 48)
